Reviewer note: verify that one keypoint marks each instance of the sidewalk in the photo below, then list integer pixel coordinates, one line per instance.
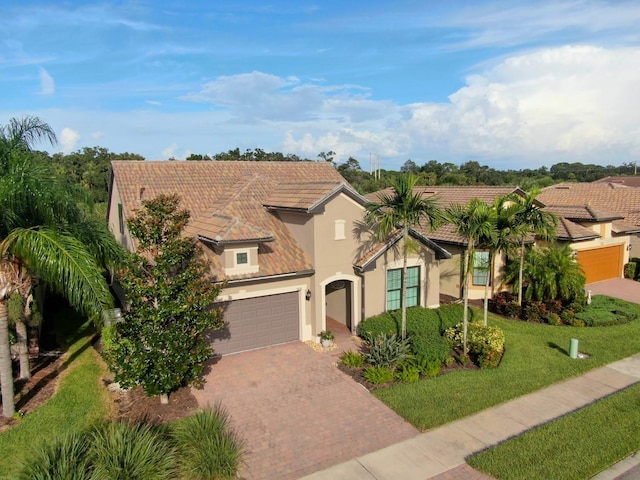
(443, 450)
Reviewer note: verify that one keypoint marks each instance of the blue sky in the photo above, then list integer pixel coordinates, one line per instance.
(509, 84)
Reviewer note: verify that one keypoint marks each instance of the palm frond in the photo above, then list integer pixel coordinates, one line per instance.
(62, 261)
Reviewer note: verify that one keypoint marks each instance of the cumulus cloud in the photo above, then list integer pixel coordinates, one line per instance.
(68, 139)
(571, 103)
(47, 84)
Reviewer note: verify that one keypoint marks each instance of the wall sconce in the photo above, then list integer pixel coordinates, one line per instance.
(308, 295)
(629, 248)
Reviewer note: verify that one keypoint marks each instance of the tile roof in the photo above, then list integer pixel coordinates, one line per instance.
(447, 196)
(628, 180)
(569, 231)
(582, 213)
(227, 202)
(615, 198)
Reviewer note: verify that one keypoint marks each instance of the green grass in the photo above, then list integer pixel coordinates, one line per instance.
(576, 446)
(78, 402)
(535, 356)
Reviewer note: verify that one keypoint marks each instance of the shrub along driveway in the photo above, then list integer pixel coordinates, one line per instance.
(623, 288)
(297, 412)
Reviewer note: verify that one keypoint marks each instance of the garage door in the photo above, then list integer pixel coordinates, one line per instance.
(258, 322)
(601, 263)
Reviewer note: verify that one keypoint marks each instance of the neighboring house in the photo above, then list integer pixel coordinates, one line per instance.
(627, 180)
(288, 240)
(610, 210)
(451, 269)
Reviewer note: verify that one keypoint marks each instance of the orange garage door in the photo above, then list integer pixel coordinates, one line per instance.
(601, 263)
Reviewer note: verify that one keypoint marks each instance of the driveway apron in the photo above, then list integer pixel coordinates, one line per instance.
(296, 412)
(623, 288)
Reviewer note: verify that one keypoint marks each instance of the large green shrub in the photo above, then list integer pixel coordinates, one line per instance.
(419, 320)
(486, 342)
(431, 347)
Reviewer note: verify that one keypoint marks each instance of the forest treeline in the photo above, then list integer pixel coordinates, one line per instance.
(91, 169)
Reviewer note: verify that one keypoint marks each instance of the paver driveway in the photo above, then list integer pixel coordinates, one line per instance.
(297, 412)
(623, 288)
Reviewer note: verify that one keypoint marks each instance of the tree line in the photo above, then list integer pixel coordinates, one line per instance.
(90, 168)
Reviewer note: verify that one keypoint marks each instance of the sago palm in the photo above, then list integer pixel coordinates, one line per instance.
(402, 209)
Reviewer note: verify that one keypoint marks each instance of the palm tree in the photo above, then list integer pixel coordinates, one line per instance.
(402, 210)
(506, 235)
(45, 233)
(551, 273)
(476, 223)
(531, 219)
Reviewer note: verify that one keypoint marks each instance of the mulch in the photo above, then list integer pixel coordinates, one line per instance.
(130, 405)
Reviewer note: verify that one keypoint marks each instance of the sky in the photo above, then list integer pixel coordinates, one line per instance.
(512, 84)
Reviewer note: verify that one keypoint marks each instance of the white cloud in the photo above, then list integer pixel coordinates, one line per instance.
(47, 84)
(68, 139)
(170, 151)
(572, 103)
(97, 135)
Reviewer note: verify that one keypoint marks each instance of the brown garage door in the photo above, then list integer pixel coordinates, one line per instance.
(258, 322)
(601, 263)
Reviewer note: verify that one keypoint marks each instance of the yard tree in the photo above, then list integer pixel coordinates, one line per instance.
(160, 343)
(476, 223)
(44, 234)
(531, 219)
(402, 210)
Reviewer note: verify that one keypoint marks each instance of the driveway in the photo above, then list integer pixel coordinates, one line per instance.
(297, 412)
(623, 288)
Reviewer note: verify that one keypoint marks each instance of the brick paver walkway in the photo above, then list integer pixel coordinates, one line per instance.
(297, 412)
(623, 288)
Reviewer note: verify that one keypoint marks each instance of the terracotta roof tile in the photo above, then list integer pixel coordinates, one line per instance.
(227, 199)
(618, 199)
(572, 232)
(303, 196)
(627, 180)
(582, 213)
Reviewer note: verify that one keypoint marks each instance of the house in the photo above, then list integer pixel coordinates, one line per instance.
(446, 237)
(288, 240)
(609, 214)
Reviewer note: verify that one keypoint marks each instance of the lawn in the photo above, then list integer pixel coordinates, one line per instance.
(79, 401)
(536, 355)
(576, 446)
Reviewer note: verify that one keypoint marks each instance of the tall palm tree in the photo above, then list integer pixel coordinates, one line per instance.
(476, 223)
(506, 236)
(402, 210)
(531, 219)
(45, 233)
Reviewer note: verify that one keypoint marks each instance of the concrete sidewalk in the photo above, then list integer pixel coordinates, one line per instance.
(444, 449)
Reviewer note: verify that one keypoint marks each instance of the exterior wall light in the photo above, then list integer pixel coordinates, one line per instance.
(308, 295)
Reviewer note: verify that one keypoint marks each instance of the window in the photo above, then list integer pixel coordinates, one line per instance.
(339, 230)
(481, 266)
(242, 258)
(121, 218)
(394, 288)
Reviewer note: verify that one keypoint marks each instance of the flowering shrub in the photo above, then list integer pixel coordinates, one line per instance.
(486, 343)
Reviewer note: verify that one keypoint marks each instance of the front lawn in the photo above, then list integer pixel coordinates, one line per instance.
(536, 355)
(576, 446)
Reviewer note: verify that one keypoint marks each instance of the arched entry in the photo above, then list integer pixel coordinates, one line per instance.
(339, 302)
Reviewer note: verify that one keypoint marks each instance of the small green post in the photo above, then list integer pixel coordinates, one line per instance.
(573, 349)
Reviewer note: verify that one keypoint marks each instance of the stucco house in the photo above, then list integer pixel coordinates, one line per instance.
(445, 236)
(601, 221)
(288, 240)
